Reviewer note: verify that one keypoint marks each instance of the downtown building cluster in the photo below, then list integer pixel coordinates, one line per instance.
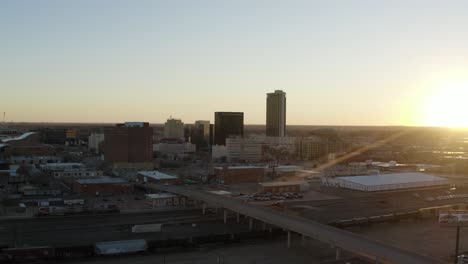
(225, 140)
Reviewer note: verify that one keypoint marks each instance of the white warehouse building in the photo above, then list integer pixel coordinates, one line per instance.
(384, 182)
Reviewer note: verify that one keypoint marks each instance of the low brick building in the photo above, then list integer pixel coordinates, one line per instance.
(239, 174)
(102, 185)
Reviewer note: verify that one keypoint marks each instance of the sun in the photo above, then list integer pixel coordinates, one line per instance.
(447, 106)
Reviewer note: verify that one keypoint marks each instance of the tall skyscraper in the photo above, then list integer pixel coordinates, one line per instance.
(129, 145)
(174, 128)
(227, 124)
(276, 114)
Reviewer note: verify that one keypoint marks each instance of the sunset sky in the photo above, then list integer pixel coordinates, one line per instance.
(340, 62)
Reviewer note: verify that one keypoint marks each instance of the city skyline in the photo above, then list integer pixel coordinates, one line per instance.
(341, 63)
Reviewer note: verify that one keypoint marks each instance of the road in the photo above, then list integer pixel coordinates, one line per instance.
(340, 238)
(82, 230)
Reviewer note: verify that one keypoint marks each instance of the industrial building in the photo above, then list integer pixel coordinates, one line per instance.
(288, 186)
(286, 170)
(384, 182)
(157, 177)
(239, 174)
(166, 199)
(102, 185)
(77, 173)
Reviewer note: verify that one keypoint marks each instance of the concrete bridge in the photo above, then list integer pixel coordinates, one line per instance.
(338, 238)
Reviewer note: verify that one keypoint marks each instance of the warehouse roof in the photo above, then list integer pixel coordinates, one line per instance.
(289, 167)
(240, 167)
(117, 247)
(397, 178)
(63, 164)
(161, 195)
(157, 175)
(101, 180)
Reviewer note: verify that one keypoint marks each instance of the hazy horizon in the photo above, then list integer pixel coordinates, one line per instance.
(341, 63)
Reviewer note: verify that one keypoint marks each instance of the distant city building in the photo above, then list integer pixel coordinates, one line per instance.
(276, 114)
(311, 148)
(211, 134)
(243, 149)
(95, 142)
(227, 124)
(174, 128)
(200, 134)
(218, 152)
(188, 132)
(54, 136)
(129, 145)
(316, 148)
(174, 148)
(71, 134)
(279, 148)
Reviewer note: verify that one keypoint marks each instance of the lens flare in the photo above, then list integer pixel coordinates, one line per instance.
(447, 106)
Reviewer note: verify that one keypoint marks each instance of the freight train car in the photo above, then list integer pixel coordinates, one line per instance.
(28, 254)
(77, 210)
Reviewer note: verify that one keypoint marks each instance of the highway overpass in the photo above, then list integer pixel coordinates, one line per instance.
(341, 239)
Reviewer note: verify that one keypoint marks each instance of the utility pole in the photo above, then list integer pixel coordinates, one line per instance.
(457, 244)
